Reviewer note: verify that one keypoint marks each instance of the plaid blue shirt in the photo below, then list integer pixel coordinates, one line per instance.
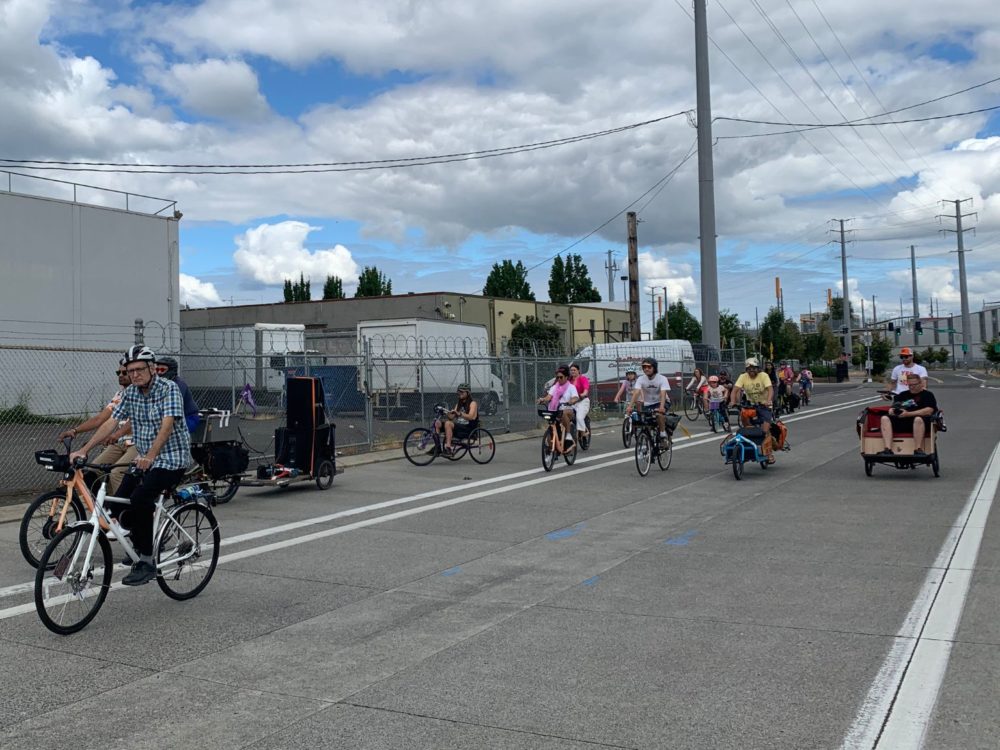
(147, 412)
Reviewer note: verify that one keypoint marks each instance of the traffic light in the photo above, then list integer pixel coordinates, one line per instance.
(892, 326)
(918, 327)
(843, 330)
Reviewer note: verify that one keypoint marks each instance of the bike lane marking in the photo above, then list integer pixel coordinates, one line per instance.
(23, 588)
(899, 706)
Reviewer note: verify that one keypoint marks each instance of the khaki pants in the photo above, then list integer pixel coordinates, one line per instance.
(117, 454)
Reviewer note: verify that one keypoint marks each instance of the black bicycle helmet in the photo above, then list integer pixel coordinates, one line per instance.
(139, 353)
(170, 373)
(651, 361)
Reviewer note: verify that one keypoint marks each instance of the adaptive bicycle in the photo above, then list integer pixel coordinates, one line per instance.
(747, 445)
(75, 570)
(422, 445)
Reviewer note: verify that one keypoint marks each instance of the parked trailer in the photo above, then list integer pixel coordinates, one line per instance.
(407, 365)
(606, 364)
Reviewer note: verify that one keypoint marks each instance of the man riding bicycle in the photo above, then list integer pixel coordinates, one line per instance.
(759, 391)
(654, 390)
(155, 409)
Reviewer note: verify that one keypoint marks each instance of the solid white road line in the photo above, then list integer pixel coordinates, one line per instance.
(295, 541)
(898, 709)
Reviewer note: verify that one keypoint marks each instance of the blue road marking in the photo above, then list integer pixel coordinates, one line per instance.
(452, 571)
(591, 581)
(563, 533)
(683, 539)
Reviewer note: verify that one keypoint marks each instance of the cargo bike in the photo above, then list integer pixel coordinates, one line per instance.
(869, 428)
(746, 445)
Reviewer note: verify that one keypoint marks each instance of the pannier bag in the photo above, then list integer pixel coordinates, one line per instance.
(779, 433)
(672, 421)
(222, 459)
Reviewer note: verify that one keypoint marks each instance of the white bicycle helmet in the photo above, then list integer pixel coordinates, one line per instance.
(139, 353)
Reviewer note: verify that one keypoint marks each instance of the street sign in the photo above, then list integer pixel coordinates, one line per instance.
(965, 348)
(868, 364)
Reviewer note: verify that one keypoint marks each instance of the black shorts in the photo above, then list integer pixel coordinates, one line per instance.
(905, 424)
(463, 431)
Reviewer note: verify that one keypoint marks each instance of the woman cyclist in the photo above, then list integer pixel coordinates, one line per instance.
(582, 384)
(805, 384)
(562, 396)
(626, 385)
(463, 419)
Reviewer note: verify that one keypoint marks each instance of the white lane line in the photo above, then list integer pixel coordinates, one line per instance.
(903, 695)
(295, 541)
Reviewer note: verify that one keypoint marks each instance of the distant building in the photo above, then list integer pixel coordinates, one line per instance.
(580, 324)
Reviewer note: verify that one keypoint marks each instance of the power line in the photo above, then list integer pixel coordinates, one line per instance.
(345, 166)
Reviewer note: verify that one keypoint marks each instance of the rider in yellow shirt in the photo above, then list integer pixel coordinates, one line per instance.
(759, 390)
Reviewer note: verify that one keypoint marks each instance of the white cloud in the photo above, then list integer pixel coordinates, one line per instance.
(226, 89)
(271, 253)
(197, 293)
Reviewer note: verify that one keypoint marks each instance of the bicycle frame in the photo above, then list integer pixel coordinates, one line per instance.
(78, 484)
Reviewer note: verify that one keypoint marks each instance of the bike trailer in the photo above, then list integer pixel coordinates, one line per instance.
(223, 459)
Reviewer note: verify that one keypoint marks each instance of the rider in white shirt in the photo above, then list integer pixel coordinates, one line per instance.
(904, 368)
(654, 390)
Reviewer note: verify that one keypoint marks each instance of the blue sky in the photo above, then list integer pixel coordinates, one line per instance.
(305, 81)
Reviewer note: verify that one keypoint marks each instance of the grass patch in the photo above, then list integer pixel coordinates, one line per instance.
(19, 413)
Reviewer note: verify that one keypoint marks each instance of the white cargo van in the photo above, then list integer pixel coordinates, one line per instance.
(606, 364)
(413, 356)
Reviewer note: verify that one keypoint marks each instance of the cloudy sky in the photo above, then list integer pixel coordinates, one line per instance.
(324, 82)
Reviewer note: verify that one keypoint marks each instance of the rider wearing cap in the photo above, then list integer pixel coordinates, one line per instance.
(759, 390)
(904, 368)
(463, 419)
(155, 409)
(654, 390)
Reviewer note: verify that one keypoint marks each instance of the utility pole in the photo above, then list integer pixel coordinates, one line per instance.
(963, 285)
(845, 297)
(874, 316)
(612, 265)
(635, 330)
(706, 182)
(862, 312)
(777, 291)
(913, 274)
(652, 310)
(666, 314)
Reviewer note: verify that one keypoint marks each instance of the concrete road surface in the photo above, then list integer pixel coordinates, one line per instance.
(466, 606)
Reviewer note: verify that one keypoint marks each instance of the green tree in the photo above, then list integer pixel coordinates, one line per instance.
(558, 292)
(373, 283)
(822, 345)
(927, 356)
(580, 287)
(780, 338)
(508, 281)
(881, 351)
(730, 330)
(533, 331)
(683, 325)
(333, 288)
(297, 291)
(942, 355)
(992, 351)
(837, 311)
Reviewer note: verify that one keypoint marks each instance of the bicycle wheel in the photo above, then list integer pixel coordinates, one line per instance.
(643, 452)
(569, 454)
(482, 446)
(38, 525)
(188, 551)
(457, 451)
(690, 407)
(665, 455)
(325, 473)
(224, 489)
(712, 421)
(420, 446)
(67, 596)
(627, 432)
(738, 462)
(548, 452)
(726, 424)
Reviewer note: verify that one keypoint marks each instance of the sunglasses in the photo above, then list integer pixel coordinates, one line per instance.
(121, 373)
(560, 376)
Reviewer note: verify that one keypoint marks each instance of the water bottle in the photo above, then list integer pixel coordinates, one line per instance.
(184, 494)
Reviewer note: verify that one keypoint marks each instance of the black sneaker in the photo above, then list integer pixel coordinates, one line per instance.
(884, 452)
(126, 560)
(142, 572)
(919, 454)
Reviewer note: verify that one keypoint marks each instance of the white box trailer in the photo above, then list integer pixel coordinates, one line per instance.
(259, 354)
(401, 359)
(606, 364)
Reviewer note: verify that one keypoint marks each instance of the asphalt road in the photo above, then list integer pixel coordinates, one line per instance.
(459, 606)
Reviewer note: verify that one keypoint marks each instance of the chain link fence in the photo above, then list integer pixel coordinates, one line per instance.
(376, 390)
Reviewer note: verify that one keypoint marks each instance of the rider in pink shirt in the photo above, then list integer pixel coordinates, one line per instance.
(582, 385)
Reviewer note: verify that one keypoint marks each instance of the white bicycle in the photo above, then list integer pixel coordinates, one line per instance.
(75, 570)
